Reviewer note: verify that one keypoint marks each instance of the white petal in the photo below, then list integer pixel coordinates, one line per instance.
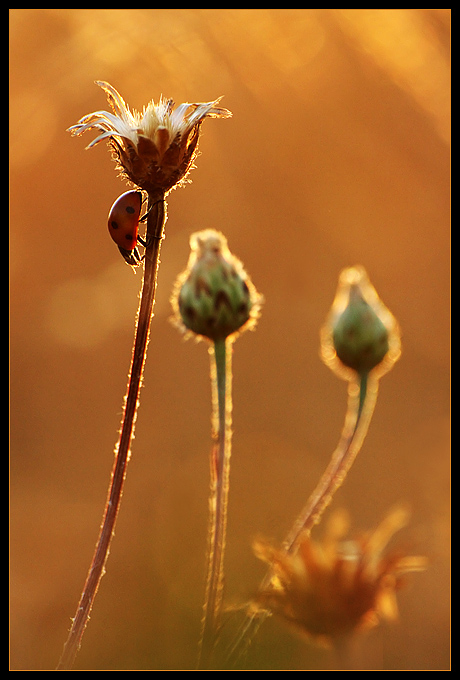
(117, 102)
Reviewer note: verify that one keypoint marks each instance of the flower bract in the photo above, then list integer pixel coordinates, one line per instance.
(155, 149)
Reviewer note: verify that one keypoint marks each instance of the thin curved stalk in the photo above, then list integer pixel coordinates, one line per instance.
(221, 378)
(155, 227)
(362, 397)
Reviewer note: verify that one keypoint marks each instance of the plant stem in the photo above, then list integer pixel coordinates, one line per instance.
(362, 397)
(155, 227)
(221, 378)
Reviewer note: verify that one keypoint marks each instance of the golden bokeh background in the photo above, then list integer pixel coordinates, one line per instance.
(337, 154)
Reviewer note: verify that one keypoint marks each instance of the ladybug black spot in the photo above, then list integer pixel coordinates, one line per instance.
(114, 224)
(130, 210)
(129, 237)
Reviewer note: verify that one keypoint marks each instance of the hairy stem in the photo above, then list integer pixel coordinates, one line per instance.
(221, 375)
(362, 397)
(155, 227)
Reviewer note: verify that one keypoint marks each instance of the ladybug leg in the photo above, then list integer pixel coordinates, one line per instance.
(145, 242)
(146, 214)
(131, 257)
(139, 258)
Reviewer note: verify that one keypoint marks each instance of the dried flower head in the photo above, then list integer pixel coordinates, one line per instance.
(214, 297)
(155, 149)
(332, 589)
(360, 335)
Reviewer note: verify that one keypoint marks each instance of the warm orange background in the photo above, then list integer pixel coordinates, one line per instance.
(337, 154)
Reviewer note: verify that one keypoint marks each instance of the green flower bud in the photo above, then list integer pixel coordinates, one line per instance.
(359, 336)
(361, 333)
(214, 297)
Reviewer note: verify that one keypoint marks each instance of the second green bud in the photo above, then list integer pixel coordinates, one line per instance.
(214, 297)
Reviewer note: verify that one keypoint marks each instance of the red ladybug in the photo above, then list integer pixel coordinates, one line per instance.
(123, 223)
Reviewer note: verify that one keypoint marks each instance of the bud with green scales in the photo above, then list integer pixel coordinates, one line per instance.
(214, 298)
(361, 335)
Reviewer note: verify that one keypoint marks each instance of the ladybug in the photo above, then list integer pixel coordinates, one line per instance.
(123, 223)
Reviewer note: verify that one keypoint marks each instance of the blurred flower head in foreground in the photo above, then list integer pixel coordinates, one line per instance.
(360, 334)
(332, 589)
(155, 149)
(214, 297)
